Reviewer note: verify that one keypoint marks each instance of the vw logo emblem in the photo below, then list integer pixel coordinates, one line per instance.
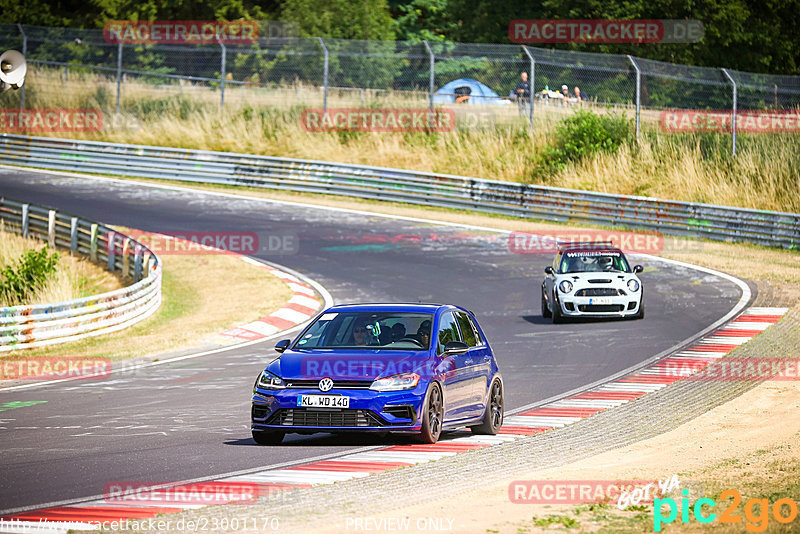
(325, 384)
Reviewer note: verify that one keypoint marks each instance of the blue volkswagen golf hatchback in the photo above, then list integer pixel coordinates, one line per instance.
(412, 368)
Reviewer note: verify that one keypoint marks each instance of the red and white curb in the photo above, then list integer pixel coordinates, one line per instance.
(303, 305)
(552, 415)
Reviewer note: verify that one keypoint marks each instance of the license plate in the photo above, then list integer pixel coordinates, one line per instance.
(600, 300)
(323, 401)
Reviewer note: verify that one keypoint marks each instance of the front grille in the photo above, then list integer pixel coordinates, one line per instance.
(600, 308)
(325, 418)
(404, 411)
(599, 292)
(599, 281)
(337, 384)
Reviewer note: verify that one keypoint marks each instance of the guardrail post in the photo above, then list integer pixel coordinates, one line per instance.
(431, 73)
(533, 79)
(638, 91)
(24, 53)
(111, 237)
(51, 229)
(93, 242)
(126, 260)
(733, 110)
(324, 76)
(222, 74)
(25, 217)
(119, 73)
(73, 234)
(137, 262)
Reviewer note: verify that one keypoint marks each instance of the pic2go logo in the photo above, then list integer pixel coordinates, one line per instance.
(756, 511)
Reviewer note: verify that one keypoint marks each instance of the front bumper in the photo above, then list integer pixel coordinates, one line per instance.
(369, 411)
(616, 306)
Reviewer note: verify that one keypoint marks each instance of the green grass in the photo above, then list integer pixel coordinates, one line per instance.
(593, 152)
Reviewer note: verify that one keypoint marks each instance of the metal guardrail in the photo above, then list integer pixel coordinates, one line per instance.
(46, 324)
(521, 200)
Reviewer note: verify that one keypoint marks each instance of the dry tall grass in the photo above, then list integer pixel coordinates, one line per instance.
(694, 167)
(74, 278)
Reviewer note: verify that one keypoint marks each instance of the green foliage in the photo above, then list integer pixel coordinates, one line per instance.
(582, 135)
(566, 521)
(422, 20)
(179, 106)
(340, 19)
(750, 35)
(30, 273)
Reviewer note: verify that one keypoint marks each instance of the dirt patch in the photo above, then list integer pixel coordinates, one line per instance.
(748, 444)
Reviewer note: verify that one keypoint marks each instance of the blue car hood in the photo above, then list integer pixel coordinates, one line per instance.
(350, 365)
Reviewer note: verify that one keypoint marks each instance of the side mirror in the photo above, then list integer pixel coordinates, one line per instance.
(282, 345)
(549, 270)
(637, 269)
(455, 347)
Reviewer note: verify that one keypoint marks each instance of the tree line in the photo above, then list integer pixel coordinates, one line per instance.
(759, 36)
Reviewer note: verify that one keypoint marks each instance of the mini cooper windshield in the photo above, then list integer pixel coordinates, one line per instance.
(584, 261)
(368, 330)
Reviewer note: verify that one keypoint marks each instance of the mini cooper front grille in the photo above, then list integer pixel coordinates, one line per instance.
(600, 308)
(599, 292)
(337, 384)
(599, 281)
(324, 418)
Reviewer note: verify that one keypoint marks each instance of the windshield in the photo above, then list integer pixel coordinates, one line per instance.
(368, 330)
(593, 261)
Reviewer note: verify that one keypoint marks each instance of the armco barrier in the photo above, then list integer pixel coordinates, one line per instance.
(47, 324)
(547, 203)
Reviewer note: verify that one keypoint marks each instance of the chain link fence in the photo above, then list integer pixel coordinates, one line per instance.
(323, 72)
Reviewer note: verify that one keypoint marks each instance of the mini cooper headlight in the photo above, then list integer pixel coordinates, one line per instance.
(565, 286)
(396, 382)
(269, 381)
(633, 285)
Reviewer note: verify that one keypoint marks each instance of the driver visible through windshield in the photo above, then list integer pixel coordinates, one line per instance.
(368, 330)
(594, 261)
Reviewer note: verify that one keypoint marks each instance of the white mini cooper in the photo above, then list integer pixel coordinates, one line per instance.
(591, 280)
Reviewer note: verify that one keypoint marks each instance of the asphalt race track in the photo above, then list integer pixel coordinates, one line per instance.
(190, 419)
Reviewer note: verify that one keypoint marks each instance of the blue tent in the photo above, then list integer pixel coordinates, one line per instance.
(467, 91)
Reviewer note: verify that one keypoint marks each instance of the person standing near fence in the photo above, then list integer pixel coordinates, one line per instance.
(522, 92)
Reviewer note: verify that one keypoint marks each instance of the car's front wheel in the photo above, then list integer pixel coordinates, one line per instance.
(545, 310)
(268, 437)
(432, 416)
(493, 416)
(640, 314)
(557, 316)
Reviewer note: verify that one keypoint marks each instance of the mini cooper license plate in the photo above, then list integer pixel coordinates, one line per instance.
(323, 401)
(600, 300)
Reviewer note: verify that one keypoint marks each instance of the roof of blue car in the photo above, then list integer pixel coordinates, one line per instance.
(390, 307)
